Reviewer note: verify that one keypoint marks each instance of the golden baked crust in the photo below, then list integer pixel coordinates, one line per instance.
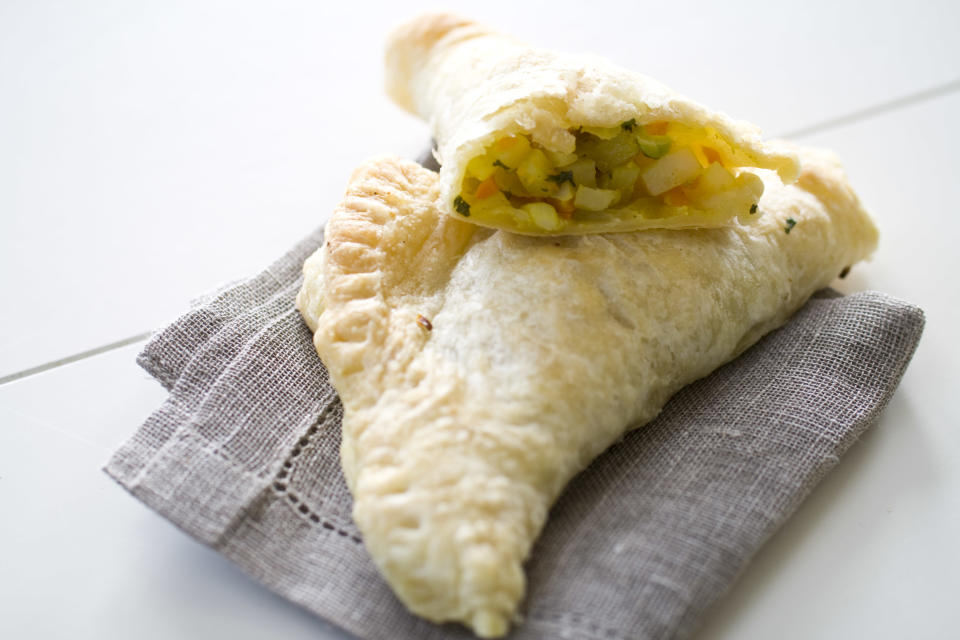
(474, 86)
(480, 370)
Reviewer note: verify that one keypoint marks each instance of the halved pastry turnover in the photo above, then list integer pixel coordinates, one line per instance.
(480, 370)
(539, 142)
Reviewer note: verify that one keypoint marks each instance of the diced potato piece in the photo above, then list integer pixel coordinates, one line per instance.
(559, 159)
(533, 171)
(511, 154)
(521, 216)
(737, 199)
(591, 199)
(543, 215)
(584, 172)
(714, 179)
(497, 201)
(481, 168)
(741, 195)
(647, 206)
(672, 170)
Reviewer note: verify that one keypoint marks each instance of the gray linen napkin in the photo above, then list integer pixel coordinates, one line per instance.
(243, 456)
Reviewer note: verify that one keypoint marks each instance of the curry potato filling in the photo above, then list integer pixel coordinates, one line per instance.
(669, 174)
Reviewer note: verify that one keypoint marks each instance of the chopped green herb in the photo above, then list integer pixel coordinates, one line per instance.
(462, 206)
(563, 176)
(845, 272)
(629, 124)
(753, 208)
(497, 163)
(791, 223)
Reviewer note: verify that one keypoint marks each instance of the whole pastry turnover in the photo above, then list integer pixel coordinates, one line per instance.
(538, 142)
(480, 370)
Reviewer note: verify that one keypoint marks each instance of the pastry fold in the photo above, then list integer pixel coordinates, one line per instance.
(480, 370)
(542, 143)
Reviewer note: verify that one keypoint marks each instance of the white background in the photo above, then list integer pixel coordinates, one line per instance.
(150, 151)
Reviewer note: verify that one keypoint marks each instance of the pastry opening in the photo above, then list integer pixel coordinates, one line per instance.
(661, 172)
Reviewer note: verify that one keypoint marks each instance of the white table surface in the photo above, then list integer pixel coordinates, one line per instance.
(151, 151)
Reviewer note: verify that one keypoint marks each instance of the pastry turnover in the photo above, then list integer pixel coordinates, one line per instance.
(538, 142)
(480, 370)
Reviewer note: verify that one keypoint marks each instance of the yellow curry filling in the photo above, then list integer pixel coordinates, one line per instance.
(657, 171)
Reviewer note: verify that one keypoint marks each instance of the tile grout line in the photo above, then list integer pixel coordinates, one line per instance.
(74, 358)
(875, 110)
(855, 116)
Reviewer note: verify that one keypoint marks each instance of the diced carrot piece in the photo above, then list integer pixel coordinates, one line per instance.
(487, 188)
(676, 197)
(656, 128)
(505, 143)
